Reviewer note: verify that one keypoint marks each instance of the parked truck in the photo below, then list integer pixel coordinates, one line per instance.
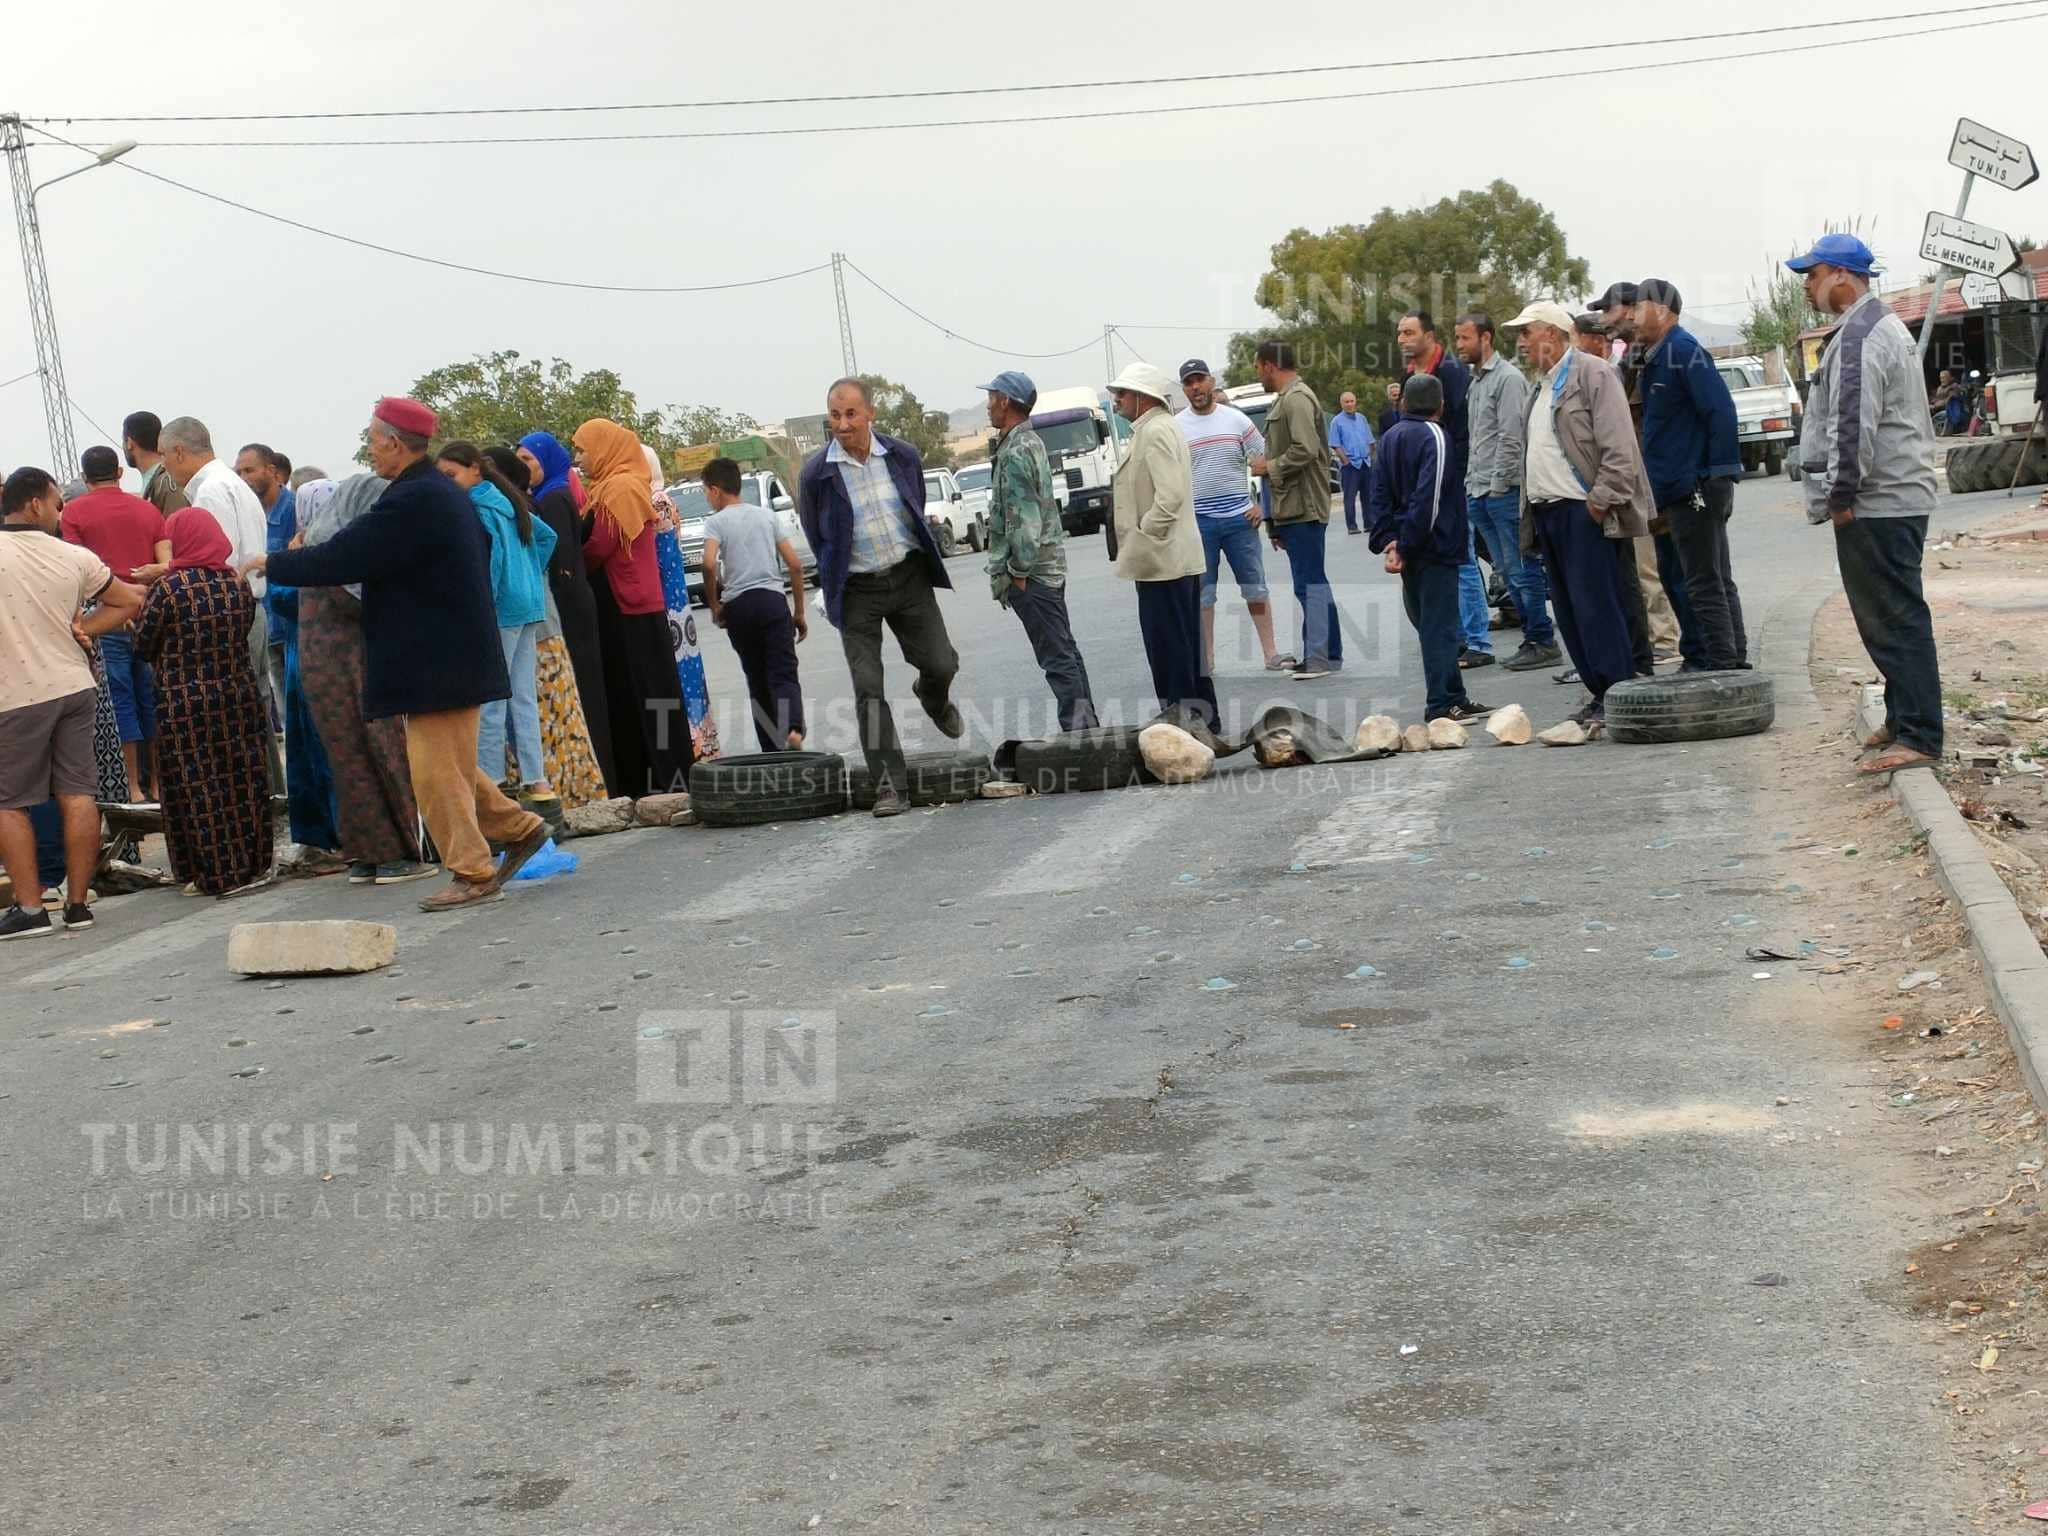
(768, 477)
(1766, 414)
(1084, 441)
(2008, 448)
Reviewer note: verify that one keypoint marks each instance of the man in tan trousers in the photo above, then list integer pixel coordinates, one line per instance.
(430, 644)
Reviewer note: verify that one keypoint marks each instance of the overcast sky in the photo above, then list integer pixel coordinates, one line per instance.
(1028, 237)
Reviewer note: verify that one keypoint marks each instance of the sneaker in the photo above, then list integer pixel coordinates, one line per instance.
(949, 722)
(1531, 656)
(547, 805)
(1465, 710)
(19, 923)
(1472, 661)
(1283, 664)
(1309, 671)
(77, 915)
(192, 889)
(1568, 676)
(518, 853)
(362, 873)
(462, 893)
(1354, 532)
(398, 871)
(887, 802)
(1591, 715)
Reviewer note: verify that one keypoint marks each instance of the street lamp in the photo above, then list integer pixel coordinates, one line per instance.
(42, 317)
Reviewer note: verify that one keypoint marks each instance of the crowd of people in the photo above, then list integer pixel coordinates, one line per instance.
(466, 640)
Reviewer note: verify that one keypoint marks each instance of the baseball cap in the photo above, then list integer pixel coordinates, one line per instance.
(1657, 290)
(1617, 294)
(1843, 250)
(1191, 368)
(1588, 324)
(1017, 386)
(1546, 312)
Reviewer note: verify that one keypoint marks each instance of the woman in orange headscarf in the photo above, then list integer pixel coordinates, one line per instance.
(212, 728)
(640, 681)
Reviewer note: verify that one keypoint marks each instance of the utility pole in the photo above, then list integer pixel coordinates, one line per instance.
(42, 318)
(846, 357)
(1108, 352)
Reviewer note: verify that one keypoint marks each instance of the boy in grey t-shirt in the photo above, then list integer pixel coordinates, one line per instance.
(745, 555)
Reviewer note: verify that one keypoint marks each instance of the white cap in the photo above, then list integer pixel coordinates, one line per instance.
(1145, 379)
(1544, 312)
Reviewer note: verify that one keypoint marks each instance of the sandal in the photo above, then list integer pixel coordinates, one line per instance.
(1881, 737)
(1896, 760)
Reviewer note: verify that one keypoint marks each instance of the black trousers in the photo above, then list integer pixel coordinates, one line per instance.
(1880, 559)
(759, 625)
(651, 746)
(1634, 609)
(1170, 623)
(1699, 529)
(1043, 611)
(902, 598)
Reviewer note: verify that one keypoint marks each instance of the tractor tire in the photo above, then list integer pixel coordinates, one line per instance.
(1078, 761)
(2033, 471)
(936, 778)
(1693, 706)
(2006, 464)
(760, 787)
(1972, 463)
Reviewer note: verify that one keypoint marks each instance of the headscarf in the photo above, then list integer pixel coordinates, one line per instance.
(322, 517)
(664, 509)
(619, 489)
(198, 542)
(553, 459)
(313, 497)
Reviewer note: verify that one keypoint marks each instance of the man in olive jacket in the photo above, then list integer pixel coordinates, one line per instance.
(1297, 464)
(1157, 543)
(1582, 486)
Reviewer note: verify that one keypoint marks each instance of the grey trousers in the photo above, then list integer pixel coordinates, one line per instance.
(902, 598)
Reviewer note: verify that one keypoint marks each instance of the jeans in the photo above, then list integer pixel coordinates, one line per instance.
(130, 686)
(1880, 559)
(759, 625)
(1322, 633)
(1475, 615)
(1585, 588)
(1692, 650)
(1355, 479)
(1170, 624)
(1236, 540)
(1430, 594)
(1498, 519)
(1042, 610)
(902, 598)
(1699, 529)
(523, 710)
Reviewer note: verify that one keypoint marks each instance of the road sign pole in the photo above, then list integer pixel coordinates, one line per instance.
(1941, 279)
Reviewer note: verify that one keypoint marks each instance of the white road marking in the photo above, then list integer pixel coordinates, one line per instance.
(846, 845)
(1379, 826)
(1090, 850)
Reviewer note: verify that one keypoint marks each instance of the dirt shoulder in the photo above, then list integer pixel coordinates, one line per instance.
(1945, 1099)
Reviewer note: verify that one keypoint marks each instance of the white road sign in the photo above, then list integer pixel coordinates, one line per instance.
(2014, 287)
(1968, 247)
(1993, 156)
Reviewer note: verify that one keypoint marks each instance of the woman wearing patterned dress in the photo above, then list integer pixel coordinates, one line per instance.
(212, 727)
(372, 782)
(682, 623)
(551, 487)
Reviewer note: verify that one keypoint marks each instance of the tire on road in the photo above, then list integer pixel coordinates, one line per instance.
(942, 530)
(1077, 761)
(759, 787)
(1694, 706)
(1966, 466)
(2006, 463)
(936, 778)
(1774, 459)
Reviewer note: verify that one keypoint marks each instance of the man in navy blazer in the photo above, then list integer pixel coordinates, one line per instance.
(861, 502)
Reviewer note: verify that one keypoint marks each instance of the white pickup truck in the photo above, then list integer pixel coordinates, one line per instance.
(1766, 415)
(762, 488)
(955, 522)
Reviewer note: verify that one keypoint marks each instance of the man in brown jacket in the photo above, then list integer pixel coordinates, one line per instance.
(1297, 461)
(1582, 486)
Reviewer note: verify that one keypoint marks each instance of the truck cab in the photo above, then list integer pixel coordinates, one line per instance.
(1084, 442)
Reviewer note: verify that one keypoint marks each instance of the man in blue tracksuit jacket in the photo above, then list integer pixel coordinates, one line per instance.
(1693, 459)
(1417, 513)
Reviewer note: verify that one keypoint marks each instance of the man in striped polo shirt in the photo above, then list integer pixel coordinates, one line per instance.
(1222, 443)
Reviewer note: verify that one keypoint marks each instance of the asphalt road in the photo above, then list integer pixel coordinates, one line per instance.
(1063, 1238)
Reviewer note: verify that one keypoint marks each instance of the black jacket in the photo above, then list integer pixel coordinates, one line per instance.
(430, 629)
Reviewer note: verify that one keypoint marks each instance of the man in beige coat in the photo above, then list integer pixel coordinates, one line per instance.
(1158, 545)
(1582, 486)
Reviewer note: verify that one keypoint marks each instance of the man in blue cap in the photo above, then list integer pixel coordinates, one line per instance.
(1027, 558)
(1868, 454)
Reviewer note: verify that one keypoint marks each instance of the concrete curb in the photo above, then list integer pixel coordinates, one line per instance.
(2014, 967)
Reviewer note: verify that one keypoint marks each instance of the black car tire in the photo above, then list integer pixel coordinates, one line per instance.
(1078, 761)
(943, 532)
(1692, 706)
(761, 787)
(936, 778)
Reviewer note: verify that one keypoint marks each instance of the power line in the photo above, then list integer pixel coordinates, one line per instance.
(436, 261)
(841, 98)
(19, 377)
(954, 335)
(80, 410)
(1120, 112)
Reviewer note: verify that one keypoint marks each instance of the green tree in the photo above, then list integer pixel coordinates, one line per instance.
(499, 397)
(1778, 314)
(1340, 294)
(900, 413)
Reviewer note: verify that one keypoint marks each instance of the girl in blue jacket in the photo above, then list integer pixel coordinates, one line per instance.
(520, 547)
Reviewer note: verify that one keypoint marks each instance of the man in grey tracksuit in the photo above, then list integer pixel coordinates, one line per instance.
(1868, 454)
